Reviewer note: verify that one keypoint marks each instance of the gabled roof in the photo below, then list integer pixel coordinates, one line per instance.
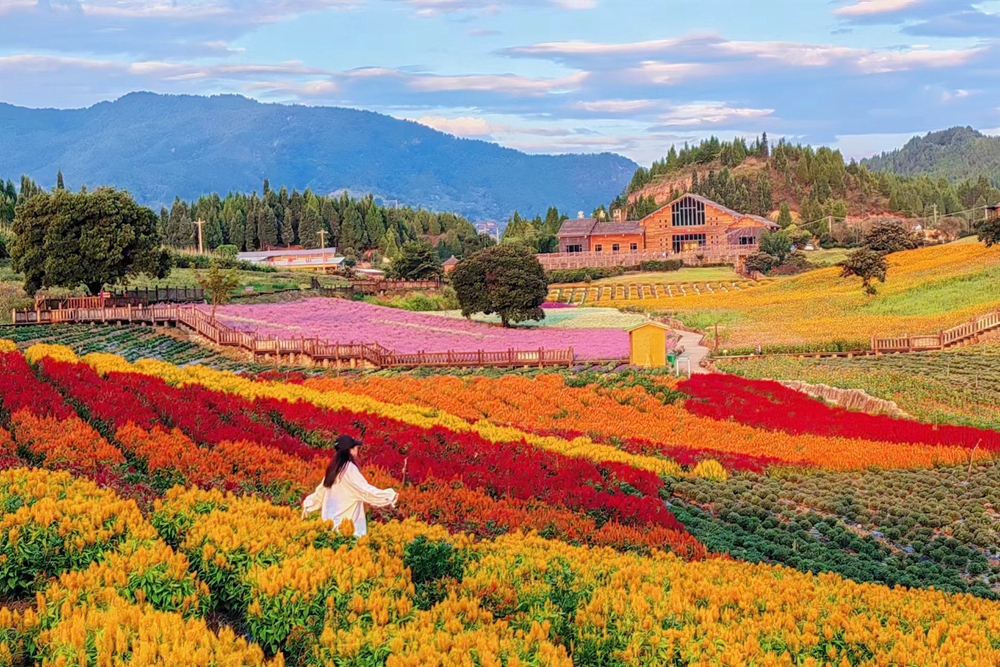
(725, 209)
(451, 261)
(577, 227)
(609, 228)
(649, 324)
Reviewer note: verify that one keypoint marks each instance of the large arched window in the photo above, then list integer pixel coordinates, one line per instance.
(689, 212)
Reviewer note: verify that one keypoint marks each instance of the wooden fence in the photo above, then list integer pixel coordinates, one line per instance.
(131, 297)
(941, 340)
(307, 350)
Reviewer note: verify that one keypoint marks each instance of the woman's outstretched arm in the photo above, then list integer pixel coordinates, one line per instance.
(369, 494)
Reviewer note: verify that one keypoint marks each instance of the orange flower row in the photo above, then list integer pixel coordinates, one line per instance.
(545, 405)
(64, 442)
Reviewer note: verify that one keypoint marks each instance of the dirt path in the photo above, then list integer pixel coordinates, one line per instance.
(693, 350)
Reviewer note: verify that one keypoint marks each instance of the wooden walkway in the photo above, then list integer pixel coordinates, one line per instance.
(303, 351)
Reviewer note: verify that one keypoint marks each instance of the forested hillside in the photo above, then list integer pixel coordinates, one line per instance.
(160, 146)
(815, 183)
(271, 218)
(956, 154)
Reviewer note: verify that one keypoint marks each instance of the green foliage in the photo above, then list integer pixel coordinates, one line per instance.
(583, 275)
(94, 239)
(989, 231)
(434, 564)
(919, 528)
(761, 262)
(665, 265)
(784, 215)
(507, 280)
(777, 244)
(889, 236)
(417, 261)
(219, 285)
(867, 265)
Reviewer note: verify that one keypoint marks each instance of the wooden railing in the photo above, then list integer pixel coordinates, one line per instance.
(131, 297)
(314, 349)
(941, 340)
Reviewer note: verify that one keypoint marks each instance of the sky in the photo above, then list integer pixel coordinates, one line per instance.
(554, 76)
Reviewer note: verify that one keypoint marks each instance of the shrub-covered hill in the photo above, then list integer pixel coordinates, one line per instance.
(756, 177)
(957, 154)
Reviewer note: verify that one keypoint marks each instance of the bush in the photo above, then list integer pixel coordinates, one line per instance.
(183, 260)
(582, 275)
(661, 265)
(432, 564)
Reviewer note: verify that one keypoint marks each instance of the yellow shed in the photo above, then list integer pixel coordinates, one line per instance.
(648, 345)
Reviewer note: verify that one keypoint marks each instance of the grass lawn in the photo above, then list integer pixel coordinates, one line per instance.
(821, 258)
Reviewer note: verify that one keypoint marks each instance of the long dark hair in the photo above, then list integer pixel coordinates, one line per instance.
(343, 446)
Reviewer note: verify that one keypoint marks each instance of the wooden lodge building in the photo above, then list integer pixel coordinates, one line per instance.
(691, 228)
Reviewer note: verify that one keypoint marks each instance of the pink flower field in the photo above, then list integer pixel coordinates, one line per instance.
(342, 321)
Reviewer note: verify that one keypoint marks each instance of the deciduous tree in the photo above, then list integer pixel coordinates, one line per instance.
(868, 265)
(506, 279)
(890, 236)
(218, 284)
(94, 239)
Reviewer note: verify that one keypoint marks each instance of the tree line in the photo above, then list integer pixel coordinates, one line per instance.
(276, 218)
(279, 218)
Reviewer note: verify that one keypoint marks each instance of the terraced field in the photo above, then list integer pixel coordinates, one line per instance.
(579, 294)
(130, 342)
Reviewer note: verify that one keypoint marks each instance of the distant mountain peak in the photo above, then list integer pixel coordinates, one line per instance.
(161, 146)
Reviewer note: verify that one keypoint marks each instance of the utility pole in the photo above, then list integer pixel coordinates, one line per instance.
(935, 217)
(201, 247)
(322, 238)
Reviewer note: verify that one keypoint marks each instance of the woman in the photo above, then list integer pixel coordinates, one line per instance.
(346, 491)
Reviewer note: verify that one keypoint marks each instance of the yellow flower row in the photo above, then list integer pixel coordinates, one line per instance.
(523, 600)
(120, 633)
(59, 520)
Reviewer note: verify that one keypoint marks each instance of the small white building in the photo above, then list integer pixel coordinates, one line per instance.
(284, 259)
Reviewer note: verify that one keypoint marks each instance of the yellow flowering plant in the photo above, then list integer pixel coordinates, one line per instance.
(53, 522)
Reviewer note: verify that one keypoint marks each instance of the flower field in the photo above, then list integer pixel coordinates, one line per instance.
(550, 520)
(959, 386)
(341, 321)
(927, 290)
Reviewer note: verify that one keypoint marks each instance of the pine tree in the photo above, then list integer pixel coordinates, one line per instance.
(180, 231)
(309, 228)
(267, 226)
(374, 226)
(785, 215)
(351, 229)
(59, 181)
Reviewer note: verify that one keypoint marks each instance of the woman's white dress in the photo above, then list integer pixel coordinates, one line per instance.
(347, 497)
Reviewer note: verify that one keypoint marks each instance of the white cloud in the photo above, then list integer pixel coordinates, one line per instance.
(870, 7)
(709, 113)
(460, 127)
(502, 83)
(615, 106)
